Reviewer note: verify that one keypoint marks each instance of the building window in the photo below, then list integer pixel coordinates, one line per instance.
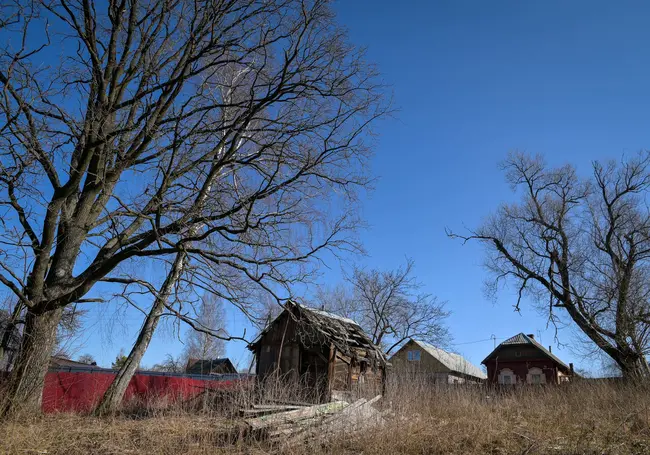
(536, 376)
(518, 354)
(414, 356)
(507, 376)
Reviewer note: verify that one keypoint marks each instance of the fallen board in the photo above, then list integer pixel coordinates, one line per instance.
(358, 416)
(295, 415)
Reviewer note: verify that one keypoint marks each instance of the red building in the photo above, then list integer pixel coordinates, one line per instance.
(522, 360)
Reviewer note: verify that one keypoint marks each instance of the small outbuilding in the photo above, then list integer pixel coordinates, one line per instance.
(420, 360)
(522, 360)
(328, 353)
(58, 362)
(210, 366)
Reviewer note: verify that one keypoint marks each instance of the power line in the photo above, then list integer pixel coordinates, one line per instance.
(477, 341)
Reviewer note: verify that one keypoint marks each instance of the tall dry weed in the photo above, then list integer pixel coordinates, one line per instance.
(421, 418)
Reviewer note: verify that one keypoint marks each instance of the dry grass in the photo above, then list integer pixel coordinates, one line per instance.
(578, 419)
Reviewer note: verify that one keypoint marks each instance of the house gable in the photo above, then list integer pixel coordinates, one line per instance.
(427, 362)
(436, 360)
(522, 347)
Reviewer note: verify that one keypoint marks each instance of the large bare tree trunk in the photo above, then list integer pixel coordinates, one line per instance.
(579, 245)
(634, 367)
(9, 333)
(28, 375)
(151, 78)
(113, 397)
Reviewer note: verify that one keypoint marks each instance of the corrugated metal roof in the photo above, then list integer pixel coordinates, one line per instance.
(454, 362)
(520, 338)
(523, 339)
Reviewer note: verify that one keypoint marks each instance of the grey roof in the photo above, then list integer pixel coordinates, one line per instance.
(454, 362)
(58, 361)
(327, 314)
(523, 339)
(344, 333)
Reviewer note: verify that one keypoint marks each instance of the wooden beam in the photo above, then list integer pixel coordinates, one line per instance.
(330, 371)
(298, 414)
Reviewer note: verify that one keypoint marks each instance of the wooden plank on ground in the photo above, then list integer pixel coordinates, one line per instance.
(297, 414)
(303, 404)
(355, 417)
(280, 407)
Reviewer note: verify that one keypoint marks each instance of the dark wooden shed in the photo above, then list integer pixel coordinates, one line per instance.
(324, 351)
(210, 366)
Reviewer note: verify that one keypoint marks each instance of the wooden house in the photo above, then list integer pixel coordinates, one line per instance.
(326, 352)
(210, 366)
(420, 360)
(522, 360)
(57, 362)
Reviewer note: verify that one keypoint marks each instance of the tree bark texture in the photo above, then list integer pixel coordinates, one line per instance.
(28, 375)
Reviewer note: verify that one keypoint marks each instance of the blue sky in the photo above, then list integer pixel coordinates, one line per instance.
(473, 80)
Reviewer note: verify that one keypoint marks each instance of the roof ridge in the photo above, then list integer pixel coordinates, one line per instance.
(456, 362)
(528, 340)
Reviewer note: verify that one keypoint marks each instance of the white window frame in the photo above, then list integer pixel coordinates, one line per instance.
(507, 373)
(536, 372)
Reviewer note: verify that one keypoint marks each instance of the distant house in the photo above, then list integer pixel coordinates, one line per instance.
(424, 360)
(210, 366)
(328, 353)
(522, 360)
(57, 362)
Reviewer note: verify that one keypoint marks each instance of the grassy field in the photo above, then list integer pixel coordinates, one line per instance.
(580, 418)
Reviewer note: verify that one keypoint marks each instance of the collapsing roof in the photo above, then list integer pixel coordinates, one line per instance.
(345, 334)
(456, 363)
(522, 339)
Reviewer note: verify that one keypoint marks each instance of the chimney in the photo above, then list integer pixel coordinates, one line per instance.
(550, 349)
(530, 335)
(571, 368)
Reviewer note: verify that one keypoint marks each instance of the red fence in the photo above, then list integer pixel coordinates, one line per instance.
(81, 391)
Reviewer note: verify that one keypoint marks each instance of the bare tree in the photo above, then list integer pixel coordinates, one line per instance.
(581, 247)
(88, 359)
(390, 307)
(68, 332)
(171, 364)
(11, 326)
(10, 12)
(120, 360)
(203, 345)
(215, 129)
